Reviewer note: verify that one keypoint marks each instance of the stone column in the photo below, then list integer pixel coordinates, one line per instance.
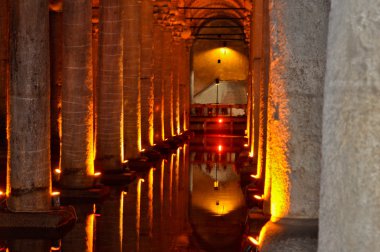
(4, 69)
(167, 81)
(29, 179)
(56, 76)
(131, 82)
(187, 78)
(297, 66)
(77, 96)
(182, 85)
(109, 128)
(175, 83)
(146, 73)
(351, 124)
(157, 68)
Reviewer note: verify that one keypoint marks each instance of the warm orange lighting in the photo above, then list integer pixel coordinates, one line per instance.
(58, 171)
(143, 150)
(97, 174)
(255, 176)
(90, 219)
(253, 241)
(56, 248)
(246, 145)
(220, 148)
(216, 185)
(55, 193)
(220, 120)
(258, 197)
(2, 193)
(141, 180)
(125, 161)
(251, 154)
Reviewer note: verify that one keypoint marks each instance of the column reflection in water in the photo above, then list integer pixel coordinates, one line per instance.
(109, 222)
(81, 237)
(216, 212)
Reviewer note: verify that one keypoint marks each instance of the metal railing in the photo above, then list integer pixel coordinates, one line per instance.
(213, 110)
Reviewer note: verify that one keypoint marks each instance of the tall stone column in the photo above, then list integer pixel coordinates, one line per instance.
(187, 77)
(4, 69)
(28, 179)
(146, 73)
(77, 96)
(131, 82)
(175, 83)
(109, 128)
(351, 124)
(182, 85)
(157, 68)
(56, 76)
(297, 66)
(167, 83)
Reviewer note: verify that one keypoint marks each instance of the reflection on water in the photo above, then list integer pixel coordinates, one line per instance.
(190, 201)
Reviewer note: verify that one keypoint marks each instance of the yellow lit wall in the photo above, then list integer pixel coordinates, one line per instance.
(233, 62)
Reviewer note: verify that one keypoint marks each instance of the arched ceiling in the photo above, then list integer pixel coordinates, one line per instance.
(213, 14)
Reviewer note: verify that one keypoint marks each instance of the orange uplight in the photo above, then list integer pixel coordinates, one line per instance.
(55, 193)
(253, 241)
(258, 197)
(58, 171)
(220, 120)
(246, 145)
(255, 176)
(97, 174)
(220, 148)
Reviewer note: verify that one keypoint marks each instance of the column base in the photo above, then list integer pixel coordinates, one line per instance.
(49, 225)
(296, 235)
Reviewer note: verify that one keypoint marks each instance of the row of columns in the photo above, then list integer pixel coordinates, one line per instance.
(102, 124)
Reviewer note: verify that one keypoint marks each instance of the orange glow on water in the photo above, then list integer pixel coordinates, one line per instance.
(121, 216)
(90, 231)
(150, 199)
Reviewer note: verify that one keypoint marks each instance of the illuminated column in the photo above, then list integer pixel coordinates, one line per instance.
(297, 65)
(109, 226)
(146, 73)
(109, 135)
(4, 68)
(182, 85)
(56, 60)
(28, 179)
(187, 92)
(167, 79)
(157, 59)
(131, 60)
(175, 87)
(351, 126)
(77, 96)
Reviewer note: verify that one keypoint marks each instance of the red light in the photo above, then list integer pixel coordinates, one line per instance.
(220, 148)
(220, 120)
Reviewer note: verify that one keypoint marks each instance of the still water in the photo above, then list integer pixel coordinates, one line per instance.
(190, 201)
